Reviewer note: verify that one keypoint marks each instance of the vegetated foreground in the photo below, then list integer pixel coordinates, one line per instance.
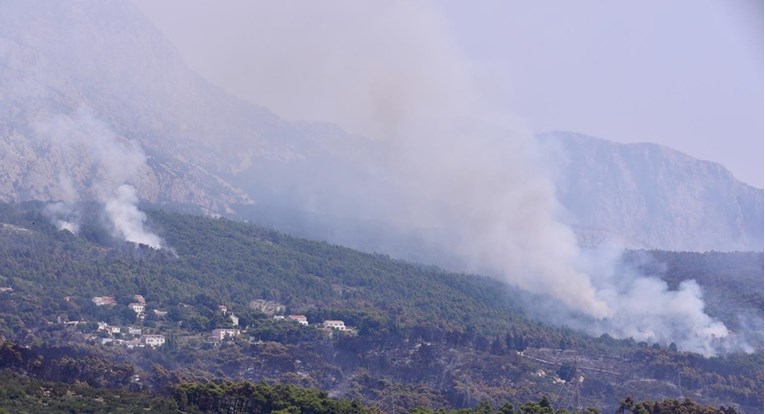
(22, 394)
(231, 301)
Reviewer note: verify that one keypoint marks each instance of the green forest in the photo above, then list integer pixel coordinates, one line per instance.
(421, 338)
(24, 395)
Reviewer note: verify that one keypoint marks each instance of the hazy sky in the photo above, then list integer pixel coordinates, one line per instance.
(684, 73)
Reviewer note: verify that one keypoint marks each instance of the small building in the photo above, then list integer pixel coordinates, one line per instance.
(153, 340)
(223, 333)
(334, 324)
(279, 317)
(6, 289)
(234, 319)
(140, 299)
(134, 331)
(113, 329)
(102, 326)
(301, 319)
(223, 309)
(133, 343)
(104, 300)
(160, 313)
(138, 308)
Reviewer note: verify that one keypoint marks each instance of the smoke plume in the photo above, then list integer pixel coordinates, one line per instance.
(63, 215)
(127, 219)
(462, 169)
(108, 167)
(646, 309)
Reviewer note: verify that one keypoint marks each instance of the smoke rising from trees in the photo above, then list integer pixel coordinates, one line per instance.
(460, 168)
(113, 163)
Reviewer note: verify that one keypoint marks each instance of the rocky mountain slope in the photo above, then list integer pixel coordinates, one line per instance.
(94, 97)
(82, 72)
(649, 196)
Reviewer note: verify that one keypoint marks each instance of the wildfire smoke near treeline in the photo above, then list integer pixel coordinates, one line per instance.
(382, 207)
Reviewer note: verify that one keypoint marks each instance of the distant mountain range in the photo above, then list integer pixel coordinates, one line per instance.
(93, 97)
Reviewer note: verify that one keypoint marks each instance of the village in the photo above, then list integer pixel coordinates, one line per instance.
(136, 335)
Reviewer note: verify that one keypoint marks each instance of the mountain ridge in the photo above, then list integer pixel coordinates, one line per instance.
(102, 68)
(654, 196)
(712, 164)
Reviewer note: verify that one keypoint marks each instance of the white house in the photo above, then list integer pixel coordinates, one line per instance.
(301, 319)
(134, 331)
(220, 334)
(138, 308)
(153, 340)
(339, 325)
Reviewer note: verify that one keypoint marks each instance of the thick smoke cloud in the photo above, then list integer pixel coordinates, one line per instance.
(462, 170)
(646, 309)
(111, 165)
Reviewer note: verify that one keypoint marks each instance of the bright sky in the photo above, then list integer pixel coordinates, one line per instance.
(687, 74)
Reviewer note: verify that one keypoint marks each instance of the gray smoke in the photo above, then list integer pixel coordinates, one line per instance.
(645, 308)
(127, 220)
(108, 165)
(462, 169)
(484, 186)
(64, 213)
(463, 173)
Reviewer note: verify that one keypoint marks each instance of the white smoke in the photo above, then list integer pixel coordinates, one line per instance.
(482, 186)
(64, 214)
(107, 164)
(463, 169)
(646, 309)
(479, 183)
(127, 219)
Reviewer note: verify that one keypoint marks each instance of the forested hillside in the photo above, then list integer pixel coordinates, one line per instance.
(417, 337)
(221, 261)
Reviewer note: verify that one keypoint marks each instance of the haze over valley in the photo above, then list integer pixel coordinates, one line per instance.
(589, 245)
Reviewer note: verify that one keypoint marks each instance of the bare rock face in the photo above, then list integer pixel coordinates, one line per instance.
(93, 97)
(77, 120)
(650, 196)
